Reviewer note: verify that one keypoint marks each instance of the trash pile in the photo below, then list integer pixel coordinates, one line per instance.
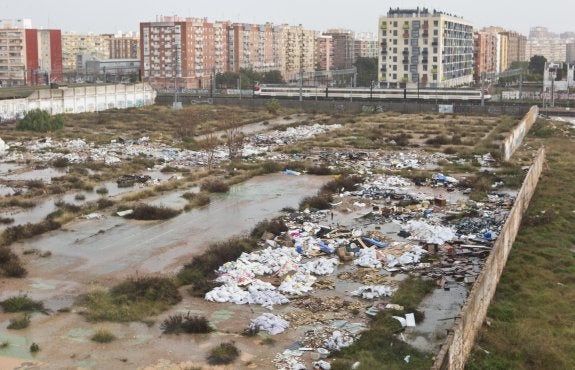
(292, 134)
(269, 322)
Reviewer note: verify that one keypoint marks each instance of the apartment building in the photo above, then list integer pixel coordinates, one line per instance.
(343, 48)
(484, 54)
(299, 49)
(124, 47)
(366, 45)
(182, 52)
(550, 45)
(516, 47)
(425, 49)
(324, 53)
(570, 50)
(252, 46)
(74, 44)
(29, 56)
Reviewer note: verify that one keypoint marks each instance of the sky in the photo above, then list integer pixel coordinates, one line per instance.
(110, 16)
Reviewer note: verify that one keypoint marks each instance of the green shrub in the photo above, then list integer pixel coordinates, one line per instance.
(21, 303)
(60, 162)
(225, 353)
(39, 120)
(273, 106)
(149, 212)
(275, 226)
(214, 186)
(103, 336)
(180, 323)
(319, 202)
(20, 322)
(102, 191)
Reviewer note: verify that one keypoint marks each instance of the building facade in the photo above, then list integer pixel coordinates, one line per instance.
(124, 47)
(366, 45)
(425, 49)
(299, 51)
(324, 53)
(182, 52)
(570, 51)
(550, 45)
(516, 47)
(251, 46)
(485, 54)
(343, 48)
(30, 57)
(74, 44)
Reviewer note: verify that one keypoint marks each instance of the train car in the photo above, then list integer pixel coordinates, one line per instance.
(318, 92)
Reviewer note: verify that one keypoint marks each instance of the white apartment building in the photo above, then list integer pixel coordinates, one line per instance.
(425, 49)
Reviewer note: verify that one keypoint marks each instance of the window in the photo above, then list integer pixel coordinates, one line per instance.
(395, 24)
(394, 41)
(394, 32)
(405, 41)
(395, 76)
(405, 67)
(435, 59)
(435, 32)
(384, 33)
(395, 59)
(414, 42)
(395, 67)
(436, 23)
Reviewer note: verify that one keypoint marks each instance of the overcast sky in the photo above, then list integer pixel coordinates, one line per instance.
(109, 16)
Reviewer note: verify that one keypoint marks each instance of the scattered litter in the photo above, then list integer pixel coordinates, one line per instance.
(321, 266)
(321, 365)
(269, 322)
(374, 291)
(289, 360)
(93, 216)
(125, 213)
(338, 341)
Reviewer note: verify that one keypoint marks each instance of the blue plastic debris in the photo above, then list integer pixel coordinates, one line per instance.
(375, 242)
(326, 248)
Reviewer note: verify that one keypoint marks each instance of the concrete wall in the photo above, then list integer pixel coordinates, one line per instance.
(341, 106)
(79, 100)
(515, 138)
(460, 341)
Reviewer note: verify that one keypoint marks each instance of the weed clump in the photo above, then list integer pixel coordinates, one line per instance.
(20, 232)
(214, 186)
(21, 303)
(103, 336)
(197, 199)
(180, 323)
(275, 226)
(20, 322)
(438, 140)
(319, 170)
(149, 212)
(225, 353)
(319, 201)
(131, 300)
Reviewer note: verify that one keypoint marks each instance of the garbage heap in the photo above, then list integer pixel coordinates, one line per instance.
(438, 239)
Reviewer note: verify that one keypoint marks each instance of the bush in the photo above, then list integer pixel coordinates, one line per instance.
(149, 212)
(319, 202)
(150, 288)
(19, 232)
(271, 167)
(102, 191)
(21, 303)
(273, 106)
(342, 183)
(39, 120)
(319, 170)
(223, 354)
(60, 162)
(103, 336)
(34, 347)
(197, 199)
(20, 322)
(204, 265)
(6, 220)
(214, 186)
(401, 139)
(180, 323)
(275, 226)
(438, 140)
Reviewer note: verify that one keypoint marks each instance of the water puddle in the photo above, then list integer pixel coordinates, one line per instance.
(114, 244)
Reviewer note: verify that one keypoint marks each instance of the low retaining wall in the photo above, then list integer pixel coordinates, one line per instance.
(515, 138)
(460, 341)
(342, 106)
(79, 99)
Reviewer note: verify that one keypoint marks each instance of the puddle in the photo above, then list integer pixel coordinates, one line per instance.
(18, 346)
(45, 174)
(118, 245)
(80, 334)
(440, 308)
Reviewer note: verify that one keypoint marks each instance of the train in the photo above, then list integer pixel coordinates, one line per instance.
(366, 93)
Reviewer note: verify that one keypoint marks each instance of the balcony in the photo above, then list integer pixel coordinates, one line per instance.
(406, 35)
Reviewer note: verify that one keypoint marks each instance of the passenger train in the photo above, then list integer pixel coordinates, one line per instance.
(365, 93)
